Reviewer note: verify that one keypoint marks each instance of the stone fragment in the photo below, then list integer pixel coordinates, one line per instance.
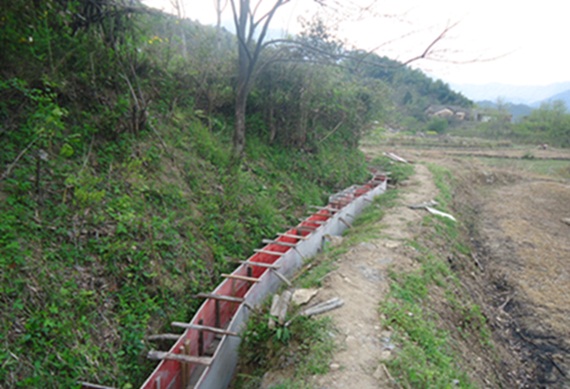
(303, 296)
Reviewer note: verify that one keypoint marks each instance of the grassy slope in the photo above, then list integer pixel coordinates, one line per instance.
(137, 205)
(125, 232)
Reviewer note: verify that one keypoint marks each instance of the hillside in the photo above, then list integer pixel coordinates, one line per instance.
(120, 197)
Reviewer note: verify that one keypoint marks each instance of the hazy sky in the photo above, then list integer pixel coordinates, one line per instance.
(507, 41)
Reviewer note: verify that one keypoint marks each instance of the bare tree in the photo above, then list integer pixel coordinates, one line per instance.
(220, 6)
(248, 23)
(252, 24)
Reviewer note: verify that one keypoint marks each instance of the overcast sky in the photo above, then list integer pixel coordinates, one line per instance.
(504, 41)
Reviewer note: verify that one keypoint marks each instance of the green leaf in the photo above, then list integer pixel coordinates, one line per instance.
(66, 150)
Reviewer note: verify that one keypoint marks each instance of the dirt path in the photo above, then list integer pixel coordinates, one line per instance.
(361, 281)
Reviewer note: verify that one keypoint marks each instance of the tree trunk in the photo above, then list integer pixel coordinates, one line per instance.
(242, 85)
(241, 104)
(301, 138)
(271, 121)
(239, 130)
(271, 113)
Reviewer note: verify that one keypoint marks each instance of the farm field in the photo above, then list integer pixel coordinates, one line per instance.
(515, 202)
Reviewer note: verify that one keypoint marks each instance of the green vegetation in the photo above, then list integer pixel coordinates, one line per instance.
(108, 256)
(304, 349)
(119, 198)
(548, 124)
(428, 356)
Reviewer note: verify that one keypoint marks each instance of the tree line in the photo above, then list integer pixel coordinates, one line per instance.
(299, 92)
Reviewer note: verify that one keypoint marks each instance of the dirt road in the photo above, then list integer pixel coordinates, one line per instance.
(361, 281)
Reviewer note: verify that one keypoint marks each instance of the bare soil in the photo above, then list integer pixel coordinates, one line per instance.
(521, 236)
(521, 240)
(361, 281)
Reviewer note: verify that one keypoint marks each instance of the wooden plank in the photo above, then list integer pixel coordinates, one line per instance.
(434, 211)
(346, 223)
(279, 243)
(220, 297)
(260, 264)
(293, 236)
(300, 253)
(273, 311)
(332, 210)
(395, 157)
(282, 277)
(241, 278)
(276, 253)
(217, 313)
(160, 355)
(152, 338)
(314, 221)
(283, 306)
(185, 376)
(306, 228)
(323, 307)
(93, 386)
(198, 327)
(201, 339)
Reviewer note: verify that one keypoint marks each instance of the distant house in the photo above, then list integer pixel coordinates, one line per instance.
(443, 113)
(490, 116)
(448, 111)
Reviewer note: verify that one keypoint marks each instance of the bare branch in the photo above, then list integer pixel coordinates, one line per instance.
(240, 29)
(259, 45)
(271, 11)
(254, 12)
(428, 49)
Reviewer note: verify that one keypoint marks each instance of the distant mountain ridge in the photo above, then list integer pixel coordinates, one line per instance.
(563, 96)
(516, 94)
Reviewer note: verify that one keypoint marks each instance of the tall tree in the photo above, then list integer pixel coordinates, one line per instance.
(252, 22)
(248, 23)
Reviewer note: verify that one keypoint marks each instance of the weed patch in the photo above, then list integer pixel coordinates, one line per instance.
(304, 349)
(428, 354)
